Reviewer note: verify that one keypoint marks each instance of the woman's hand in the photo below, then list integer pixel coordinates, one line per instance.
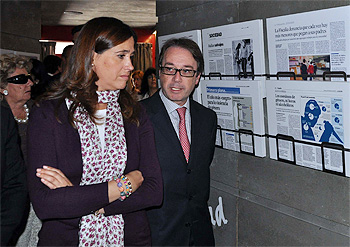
(135, 178)
(52, 177)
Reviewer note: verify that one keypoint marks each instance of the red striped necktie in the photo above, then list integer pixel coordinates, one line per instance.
(183, 133)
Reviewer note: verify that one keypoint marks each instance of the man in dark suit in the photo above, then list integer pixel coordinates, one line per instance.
(14, 196)
(303, 70)
(185, 142)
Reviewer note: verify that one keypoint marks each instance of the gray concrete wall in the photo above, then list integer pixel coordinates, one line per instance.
(21, 26)
(264, 202)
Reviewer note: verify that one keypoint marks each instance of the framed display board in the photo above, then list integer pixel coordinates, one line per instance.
(310, 43)
(307, 124)
(194, 35)
(239, 108)
(235, 48)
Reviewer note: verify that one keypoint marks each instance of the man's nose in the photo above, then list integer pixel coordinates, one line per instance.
(177, 76)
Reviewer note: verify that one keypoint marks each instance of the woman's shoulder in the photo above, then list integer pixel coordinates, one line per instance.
(142, 112)
(47, 103)
(141, 117)
(47, 107)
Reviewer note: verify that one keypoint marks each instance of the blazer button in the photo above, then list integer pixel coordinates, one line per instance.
(190, 198)
(189, 171)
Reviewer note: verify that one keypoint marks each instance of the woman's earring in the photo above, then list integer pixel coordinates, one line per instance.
(92, 65)
(5, 92)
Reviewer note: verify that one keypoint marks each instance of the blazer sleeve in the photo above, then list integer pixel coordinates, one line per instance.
(145, 159)
(45, 141)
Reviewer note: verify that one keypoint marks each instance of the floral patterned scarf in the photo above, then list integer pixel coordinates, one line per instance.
(99, 167)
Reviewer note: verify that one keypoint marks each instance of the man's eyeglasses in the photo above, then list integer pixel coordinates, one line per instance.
(19, 79)
(183, 72)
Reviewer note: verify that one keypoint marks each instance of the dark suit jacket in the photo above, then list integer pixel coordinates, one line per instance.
(14, 196)
(58, 144)
(186, 186)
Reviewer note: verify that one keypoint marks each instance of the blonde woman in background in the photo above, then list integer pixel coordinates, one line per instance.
(134, 84)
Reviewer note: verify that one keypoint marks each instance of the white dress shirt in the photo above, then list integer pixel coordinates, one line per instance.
(171, 107)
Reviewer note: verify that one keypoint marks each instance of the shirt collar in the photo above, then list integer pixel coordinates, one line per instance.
(171, 106)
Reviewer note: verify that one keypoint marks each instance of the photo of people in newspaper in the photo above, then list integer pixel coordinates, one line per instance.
(243, 61)
(309, 66)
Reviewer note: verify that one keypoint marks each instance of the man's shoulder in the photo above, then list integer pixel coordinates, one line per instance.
(202, 109)
(153, 101)
(146, 102)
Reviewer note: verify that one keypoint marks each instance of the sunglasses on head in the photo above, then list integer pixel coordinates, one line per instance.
(19, 79)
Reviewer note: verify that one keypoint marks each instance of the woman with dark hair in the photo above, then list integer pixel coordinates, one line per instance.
(149, 83)
(53, 69)
(41, 78)
(92, 167)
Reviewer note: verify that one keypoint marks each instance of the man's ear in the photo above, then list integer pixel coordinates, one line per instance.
(198, 77)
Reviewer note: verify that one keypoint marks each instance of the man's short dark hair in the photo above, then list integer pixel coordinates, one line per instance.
(187, 44)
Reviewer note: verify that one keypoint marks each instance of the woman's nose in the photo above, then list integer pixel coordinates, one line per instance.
(129, 65)
(30, 82)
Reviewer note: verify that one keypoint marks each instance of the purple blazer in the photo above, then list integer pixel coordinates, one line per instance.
(57, 143)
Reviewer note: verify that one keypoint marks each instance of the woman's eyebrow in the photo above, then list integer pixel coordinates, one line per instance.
(123, 51)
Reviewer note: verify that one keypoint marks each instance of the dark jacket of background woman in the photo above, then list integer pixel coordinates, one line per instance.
(14, 197)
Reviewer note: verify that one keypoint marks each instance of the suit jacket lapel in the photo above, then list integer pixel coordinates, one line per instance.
(195, 129)
(164, 125)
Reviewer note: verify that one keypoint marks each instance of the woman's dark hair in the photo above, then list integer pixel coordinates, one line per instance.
(97, 35)
(76, 29)
(52, 63)
(144, 84)
(40, 76)
(38, 70)
(187, 44)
